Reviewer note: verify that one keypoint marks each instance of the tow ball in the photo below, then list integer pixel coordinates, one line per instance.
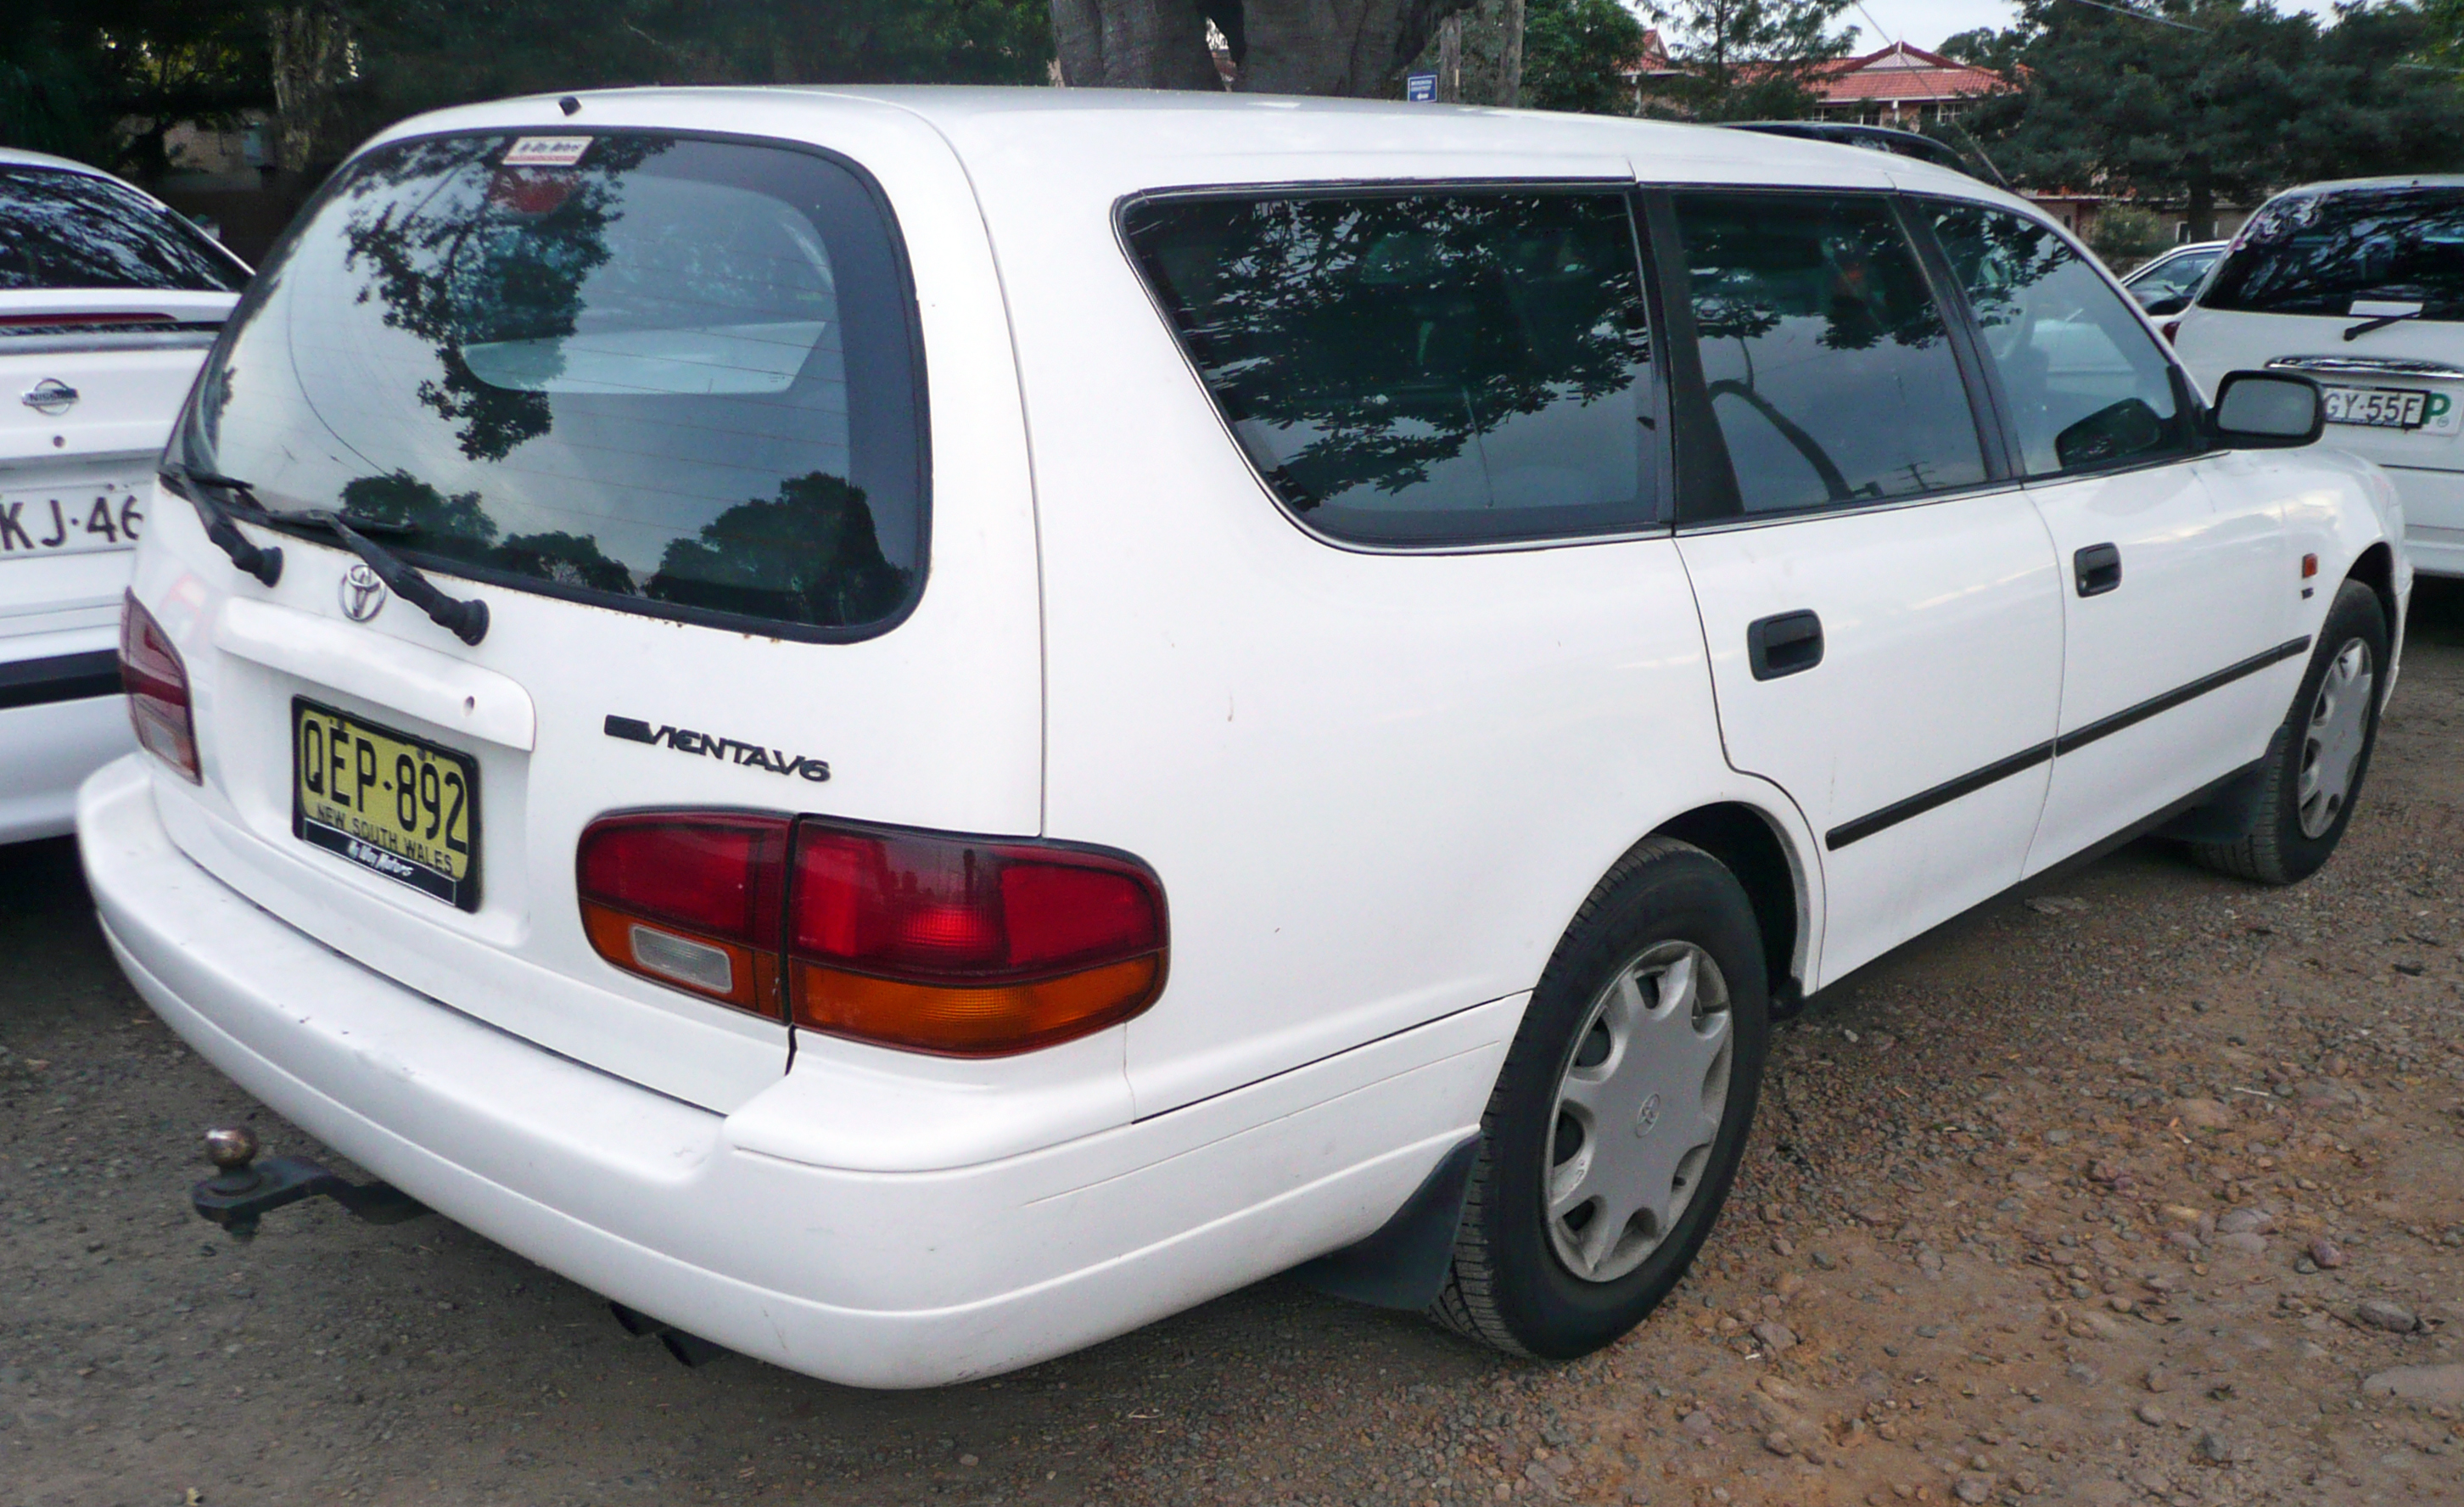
(243, 1190)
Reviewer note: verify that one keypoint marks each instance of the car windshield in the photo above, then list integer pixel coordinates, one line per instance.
(2352, 252)
(671, 375)
(74, 230)
(2177, 274)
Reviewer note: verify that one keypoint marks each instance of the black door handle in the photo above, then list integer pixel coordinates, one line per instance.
(2096, 569)
(1784, 644)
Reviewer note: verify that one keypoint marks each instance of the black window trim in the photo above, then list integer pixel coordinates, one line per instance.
(1707, 498)
(262, 287)
(1658, 464)
(1919, 210)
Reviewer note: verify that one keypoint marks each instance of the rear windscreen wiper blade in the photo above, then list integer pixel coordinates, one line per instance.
(466, 619)
(263, 562)
(2379, 324)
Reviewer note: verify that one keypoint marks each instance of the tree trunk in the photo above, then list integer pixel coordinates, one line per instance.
(1341, 47)
(2202, 215)
(1450, 60)
(311, 59)
(1509, 65)
(1133, 44)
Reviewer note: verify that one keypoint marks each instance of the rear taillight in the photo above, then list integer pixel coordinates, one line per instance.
(689, 899)
(157, 683)
(2169, 328)
(959, 945)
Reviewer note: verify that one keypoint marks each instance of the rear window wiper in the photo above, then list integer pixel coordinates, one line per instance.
(464, 618)
(263, 562)
(2380, 324)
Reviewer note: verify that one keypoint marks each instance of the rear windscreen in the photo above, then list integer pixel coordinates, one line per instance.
(2393, 252)
(72, 230)
(668, 373)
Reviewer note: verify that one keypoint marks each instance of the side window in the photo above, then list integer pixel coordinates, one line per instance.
(2086, 385)
(1420, 369)
(1829, 371)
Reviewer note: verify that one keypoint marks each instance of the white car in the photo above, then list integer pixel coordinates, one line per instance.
(107, 304)
(2165, 284)
(2361, 285)
(906, 729)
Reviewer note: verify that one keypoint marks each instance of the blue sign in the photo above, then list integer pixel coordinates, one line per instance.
(1420, 88)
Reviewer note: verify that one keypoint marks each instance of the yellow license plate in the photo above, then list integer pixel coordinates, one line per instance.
(391, 802)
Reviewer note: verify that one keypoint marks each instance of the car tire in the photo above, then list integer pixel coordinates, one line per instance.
(2315, 763)
(1656, 993)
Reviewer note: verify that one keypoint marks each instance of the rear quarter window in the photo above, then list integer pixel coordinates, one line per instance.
(1420, 369)
(667, 373)
(62, 229)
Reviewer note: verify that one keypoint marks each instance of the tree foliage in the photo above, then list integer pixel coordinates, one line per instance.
(2233, 101)
(1574, 53)
(1747, 59)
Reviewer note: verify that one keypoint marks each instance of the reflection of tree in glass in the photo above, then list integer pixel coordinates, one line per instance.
(808, 555)
(1998, 258)
(454, 274)
(1755, 265)
(403, 499)
(573, 560)
(1392, 330)
(72, 230)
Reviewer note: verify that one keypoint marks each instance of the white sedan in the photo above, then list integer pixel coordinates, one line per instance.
(107, 304)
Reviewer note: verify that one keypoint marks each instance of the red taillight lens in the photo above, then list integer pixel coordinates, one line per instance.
(157, 683)
(2169, 329)
(691, 899)
(915, 940)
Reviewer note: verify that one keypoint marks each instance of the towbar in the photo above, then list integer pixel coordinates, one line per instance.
(241, 1191)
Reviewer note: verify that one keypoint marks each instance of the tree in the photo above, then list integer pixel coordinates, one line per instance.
(2126, 236)
(1338, 47)
(2231, 101)
(1574, 52)
(1748, 59)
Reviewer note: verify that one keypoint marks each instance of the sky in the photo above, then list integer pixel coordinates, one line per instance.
(1924, 23)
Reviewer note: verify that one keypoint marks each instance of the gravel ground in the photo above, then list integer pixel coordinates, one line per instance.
(2138, 1185)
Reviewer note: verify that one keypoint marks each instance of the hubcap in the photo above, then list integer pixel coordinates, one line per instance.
(1639, 1104)
(2331, 745)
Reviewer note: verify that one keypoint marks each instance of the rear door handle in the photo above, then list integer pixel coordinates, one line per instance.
(2096, 569)
(1784, 644)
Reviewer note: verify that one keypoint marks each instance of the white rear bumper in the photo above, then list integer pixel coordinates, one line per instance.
(867, 1278)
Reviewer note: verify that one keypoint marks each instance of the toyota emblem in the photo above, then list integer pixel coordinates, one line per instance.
(1647, 1116)
(50, 396)
(363, 594)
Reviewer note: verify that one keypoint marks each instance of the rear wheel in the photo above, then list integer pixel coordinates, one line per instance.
(1617, 1125)
(2314, 766)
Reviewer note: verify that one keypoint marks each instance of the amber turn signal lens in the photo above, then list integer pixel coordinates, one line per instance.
(981, 1020)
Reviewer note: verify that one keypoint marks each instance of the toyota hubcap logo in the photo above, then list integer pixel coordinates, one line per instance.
(364, 595)
(1647, 1116)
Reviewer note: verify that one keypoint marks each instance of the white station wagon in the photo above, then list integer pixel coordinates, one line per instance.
(906, 729)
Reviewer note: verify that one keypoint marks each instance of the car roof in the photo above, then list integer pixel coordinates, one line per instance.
(2416, 180)
(1191, 138)
(20, 156)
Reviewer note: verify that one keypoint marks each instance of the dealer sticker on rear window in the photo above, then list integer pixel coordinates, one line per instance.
(546, 151)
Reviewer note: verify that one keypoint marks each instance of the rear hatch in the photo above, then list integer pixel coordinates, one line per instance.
(2362, 289)
(107, 304)
(661, 402)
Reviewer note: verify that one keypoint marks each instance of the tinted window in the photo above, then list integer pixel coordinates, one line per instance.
(2087, 384)
(678, 375)
(1829, 371)
(2325, 253)
(1420, 369)
(74, 230)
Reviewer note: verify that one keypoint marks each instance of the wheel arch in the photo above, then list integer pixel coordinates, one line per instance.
(2375, 567)
(1754, 848)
